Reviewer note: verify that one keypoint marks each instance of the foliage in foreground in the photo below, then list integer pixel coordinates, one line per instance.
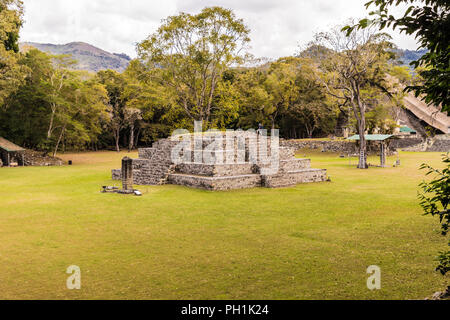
(435, 201)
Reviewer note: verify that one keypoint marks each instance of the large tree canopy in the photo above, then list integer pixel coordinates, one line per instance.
(11, 12)
(189, 54)
(11, 73)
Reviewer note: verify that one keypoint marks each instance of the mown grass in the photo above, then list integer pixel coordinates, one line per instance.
(313, 241)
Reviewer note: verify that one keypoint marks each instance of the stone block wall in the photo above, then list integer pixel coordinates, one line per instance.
(218, 170)
(406, 142)
(146, 153)
(439, 143)
(216, 183)
(333, 146)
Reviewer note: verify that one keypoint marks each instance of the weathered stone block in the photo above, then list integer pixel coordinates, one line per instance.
(294, 164)
(293, 178)
(218, 170)
(116, 174)
(216, 183)
(146, 153)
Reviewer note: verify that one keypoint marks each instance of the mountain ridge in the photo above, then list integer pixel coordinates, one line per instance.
(92, 58)
(88, 57)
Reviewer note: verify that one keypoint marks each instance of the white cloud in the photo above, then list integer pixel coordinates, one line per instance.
(277, 26)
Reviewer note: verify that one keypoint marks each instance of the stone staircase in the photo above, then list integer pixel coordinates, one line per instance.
(154, 167)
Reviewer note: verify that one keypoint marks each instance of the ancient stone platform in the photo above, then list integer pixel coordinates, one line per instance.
(156, 167)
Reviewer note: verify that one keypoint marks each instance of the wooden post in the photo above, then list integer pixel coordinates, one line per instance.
(8, 161)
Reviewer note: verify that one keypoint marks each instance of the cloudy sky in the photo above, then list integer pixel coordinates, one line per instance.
(278, 27)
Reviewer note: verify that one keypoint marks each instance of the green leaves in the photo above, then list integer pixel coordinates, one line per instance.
(435, 201)
(444, 262)
(12, 74)
(189, 54)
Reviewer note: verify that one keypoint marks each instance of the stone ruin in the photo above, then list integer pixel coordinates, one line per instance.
(239, 162)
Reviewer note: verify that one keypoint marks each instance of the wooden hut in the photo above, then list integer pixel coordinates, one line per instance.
(11, 154)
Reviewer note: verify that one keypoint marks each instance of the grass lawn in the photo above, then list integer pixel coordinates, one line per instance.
(313, 241)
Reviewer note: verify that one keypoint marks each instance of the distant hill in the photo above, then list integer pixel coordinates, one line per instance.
(408, 56)
(89, 58)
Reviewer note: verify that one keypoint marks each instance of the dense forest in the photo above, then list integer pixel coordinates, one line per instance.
(196, 67)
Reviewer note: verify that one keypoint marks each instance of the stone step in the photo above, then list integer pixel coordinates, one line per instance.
(292, 178)
(286, 153)
(209, 156)
(216, 183)
(294, 164)
(217, 170)
(285, 166)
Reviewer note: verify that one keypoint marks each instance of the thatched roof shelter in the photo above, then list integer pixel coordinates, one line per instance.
(382, 138)
(10, 152)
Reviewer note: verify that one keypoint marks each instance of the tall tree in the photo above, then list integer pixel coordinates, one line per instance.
(69, 102)
(189, 54)
(115, 84)
(284, 94)
(26, 119)
(267, 91)
(312, 108)
(83, 113)
(12, 74)
(11, 13)
(356, 68)
(57, 77)
(280, 86)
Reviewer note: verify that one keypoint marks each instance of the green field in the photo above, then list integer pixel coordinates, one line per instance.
(313, 241)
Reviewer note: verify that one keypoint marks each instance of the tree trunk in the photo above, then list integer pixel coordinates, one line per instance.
(362, 164)
(117, 136)
(59, 141)
(136, 140)
(359, 110)
(342, 123)
(131, 142)
(50, 126)
(309, 131)
(64, 143)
